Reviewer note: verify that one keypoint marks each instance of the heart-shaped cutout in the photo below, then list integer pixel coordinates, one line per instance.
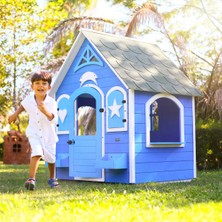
(62, 114)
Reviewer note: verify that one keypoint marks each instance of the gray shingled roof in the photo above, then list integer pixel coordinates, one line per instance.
(140, 65)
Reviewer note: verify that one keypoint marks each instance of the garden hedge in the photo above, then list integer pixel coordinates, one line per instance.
(1, 151)
(209, 148)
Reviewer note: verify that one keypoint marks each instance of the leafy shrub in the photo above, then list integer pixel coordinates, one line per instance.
(209, 148)
(1, 151)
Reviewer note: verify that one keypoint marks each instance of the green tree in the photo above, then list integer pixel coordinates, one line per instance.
(4, 94)
(23, 27)
(14, 39)
(23, 30)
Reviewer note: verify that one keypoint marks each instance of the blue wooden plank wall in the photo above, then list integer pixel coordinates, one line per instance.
(162, 164)
(117, 143)
(117, 176)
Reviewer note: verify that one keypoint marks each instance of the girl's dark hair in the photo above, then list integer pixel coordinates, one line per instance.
(42, 75)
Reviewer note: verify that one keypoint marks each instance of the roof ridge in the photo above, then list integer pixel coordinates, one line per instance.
(116, 36)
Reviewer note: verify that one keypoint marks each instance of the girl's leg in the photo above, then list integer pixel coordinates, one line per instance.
(51, 167)
(52, 180)
(49, 157)
(34, 163)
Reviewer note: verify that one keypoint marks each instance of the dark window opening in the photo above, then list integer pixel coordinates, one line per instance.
(83, 61)
(164, 121)
(86, 115)
(93, 59)
(16, 148)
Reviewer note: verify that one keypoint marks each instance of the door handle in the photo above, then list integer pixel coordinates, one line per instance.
(71, 142)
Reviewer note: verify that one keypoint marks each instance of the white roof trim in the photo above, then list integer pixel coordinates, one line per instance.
(67, 63)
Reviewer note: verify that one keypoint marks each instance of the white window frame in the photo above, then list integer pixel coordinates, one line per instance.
(148, 125)
(66, 96)
(117, 88)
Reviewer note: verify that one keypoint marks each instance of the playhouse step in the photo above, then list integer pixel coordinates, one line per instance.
(113, 161)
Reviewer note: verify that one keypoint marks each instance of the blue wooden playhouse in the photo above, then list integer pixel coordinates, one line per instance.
(126, 113)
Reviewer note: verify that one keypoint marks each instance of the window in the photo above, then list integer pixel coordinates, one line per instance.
(86, 115)
(63, 122)
(116, 113)
(86, 121)
(164, 121)
(16, 148)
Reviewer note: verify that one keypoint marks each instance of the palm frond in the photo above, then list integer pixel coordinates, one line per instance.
(74, 24)
(145, 14)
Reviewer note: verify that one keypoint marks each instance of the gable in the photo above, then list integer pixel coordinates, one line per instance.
(82, 55)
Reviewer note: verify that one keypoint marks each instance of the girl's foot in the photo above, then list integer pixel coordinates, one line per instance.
(30, 184)
(53, 183)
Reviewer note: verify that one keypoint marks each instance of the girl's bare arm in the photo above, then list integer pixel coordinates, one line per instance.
(12, 118)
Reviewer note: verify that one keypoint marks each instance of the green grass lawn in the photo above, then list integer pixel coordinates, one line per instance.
(199, 200)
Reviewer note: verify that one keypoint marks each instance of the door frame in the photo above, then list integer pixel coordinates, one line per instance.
(78, 92)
